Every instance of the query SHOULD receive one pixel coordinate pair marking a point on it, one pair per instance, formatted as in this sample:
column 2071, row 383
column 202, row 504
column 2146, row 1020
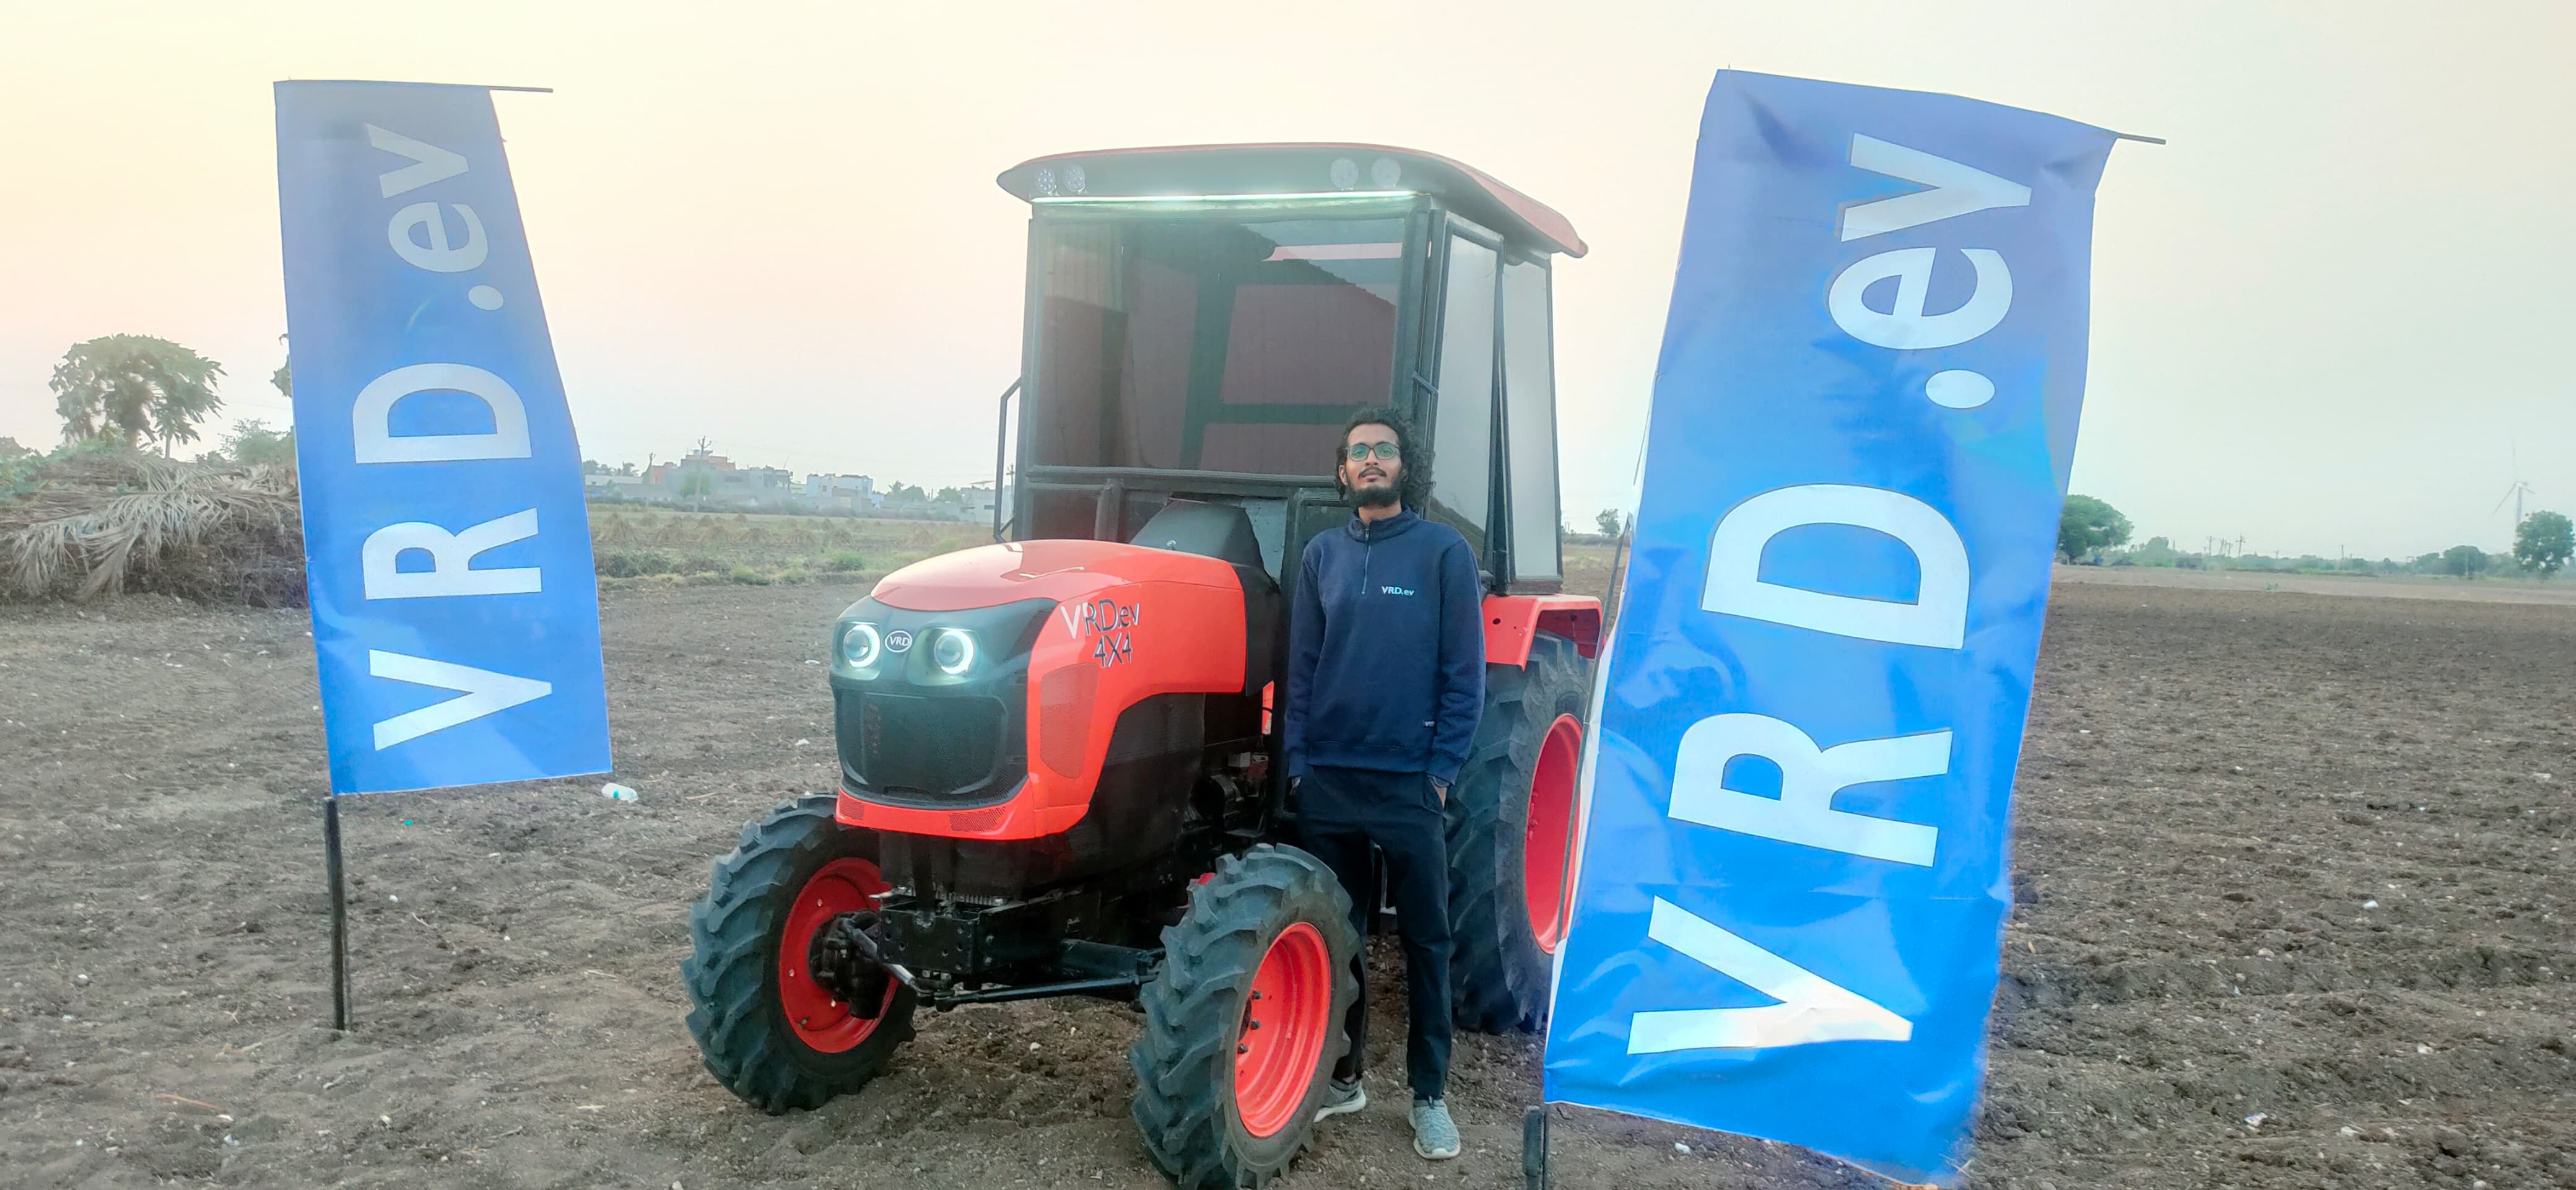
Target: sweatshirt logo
column 1395, row 591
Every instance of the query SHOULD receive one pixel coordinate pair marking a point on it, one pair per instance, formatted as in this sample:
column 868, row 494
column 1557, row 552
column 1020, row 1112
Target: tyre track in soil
column 2214, row 785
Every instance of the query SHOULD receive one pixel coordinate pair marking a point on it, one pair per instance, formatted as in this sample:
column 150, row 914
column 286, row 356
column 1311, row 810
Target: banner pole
column 339, row 914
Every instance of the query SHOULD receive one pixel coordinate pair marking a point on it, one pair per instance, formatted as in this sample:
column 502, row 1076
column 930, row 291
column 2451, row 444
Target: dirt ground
column 2283, row 857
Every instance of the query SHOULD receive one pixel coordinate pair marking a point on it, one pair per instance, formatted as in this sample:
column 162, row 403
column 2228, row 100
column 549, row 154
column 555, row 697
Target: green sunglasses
column 1359, row 452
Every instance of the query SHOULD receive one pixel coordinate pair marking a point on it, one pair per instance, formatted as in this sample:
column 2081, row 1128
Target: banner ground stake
column 1534, row 1148
column 339, row 914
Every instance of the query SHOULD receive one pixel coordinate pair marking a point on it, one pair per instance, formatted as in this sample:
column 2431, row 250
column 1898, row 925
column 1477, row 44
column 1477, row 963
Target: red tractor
column 1059, row 757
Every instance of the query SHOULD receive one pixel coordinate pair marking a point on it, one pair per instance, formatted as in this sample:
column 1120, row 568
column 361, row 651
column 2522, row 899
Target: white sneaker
column 1341, row 1098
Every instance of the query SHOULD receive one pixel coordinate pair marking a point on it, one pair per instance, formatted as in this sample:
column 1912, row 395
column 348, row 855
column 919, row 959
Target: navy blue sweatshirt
column 1386, row 650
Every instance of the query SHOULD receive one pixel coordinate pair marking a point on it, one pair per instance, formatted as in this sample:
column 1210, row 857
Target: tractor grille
column 907, row 748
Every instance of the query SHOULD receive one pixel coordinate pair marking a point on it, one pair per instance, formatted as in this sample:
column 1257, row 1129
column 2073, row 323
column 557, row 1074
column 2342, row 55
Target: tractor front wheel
column 770, row 1032
column 1244, row 1023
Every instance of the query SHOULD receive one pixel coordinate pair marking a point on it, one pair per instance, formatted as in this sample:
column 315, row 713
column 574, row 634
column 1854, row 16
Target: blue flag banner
column 447, row 550
column 1793, row 875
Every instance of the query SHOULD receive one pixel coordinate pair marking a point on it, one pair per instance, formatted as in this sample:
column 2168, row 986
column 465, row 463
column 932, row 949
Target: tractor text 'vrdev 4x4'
column 1060, row 768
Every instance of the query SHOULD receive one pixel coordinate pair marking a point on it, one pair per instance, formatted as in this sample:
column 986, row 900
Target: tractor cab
column 1201, row 320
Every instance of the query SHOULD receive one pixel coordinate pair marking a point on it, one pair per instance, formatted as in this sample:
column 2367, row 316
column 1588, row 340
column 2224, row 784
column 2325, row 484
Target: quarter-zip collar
column 1372, row 532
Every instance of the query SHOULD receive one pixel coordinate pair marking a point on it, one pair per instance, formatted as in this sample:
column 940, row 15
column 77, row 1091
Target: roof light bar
column 1105, row 199
column 1335, row 252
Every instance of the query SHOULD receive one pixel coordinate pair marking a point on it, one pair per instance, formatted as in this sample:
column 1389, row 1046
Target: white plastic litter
column 618, row 793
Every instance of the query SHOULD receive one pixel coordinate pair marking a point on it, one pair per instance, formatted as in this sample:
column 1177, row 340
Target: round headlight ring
column 861, row 646
column 953, row 652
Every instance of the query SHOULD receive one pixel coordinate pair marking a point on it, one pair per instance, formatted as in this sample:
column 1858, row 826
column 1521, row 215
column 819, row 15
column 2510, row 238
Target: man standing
column 1386, row 678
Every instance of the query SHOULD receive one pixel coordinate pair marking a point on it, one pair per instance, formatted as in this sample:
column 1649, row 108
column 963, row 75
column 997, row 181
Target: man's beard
column 1377, row 497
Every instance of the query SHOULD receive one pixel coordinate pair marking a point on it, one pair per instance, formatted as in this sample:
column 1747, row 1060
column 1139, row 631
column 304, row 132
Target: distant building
column 842, row 493
column 665, row 481
column 758, row 487
column 703, row 478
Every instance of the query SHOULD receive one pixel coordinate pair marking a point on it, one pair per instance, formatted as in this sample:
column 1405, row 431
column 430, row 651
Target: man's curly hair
column 1413, row 482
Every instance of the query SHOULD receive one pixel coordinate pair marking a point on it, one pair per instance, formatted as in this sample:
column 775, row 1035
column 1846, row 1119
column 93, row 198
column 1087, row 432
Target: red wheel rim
column 1545, row 854
column 821, row 1022
column 1285, row 1021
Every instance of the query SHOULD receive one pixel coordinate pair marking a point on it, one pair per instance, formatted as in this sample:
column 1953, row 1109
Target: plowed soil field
column 2294, row 911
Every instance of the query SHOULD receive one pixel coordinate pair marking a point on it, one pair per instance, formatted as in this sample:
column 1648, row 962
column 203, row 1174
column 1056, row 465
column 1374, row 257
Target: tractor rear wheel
column 1511, row 835
column 1244, row 1023
column 768, row 1030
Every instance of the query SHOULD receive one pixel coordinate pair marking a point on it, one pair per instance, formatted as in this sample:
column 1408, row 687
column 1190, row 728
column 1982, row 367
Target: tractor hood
column 1067, row 572
column 977, row 692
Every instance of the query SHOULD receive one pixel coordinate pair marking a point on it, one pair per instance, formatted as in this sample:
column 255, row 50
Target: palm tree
column 134, row 389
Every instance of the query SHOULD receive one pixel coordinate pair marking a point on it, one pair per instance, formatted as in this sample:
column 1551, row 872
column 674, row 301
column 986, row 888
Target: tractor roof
column 1314, row 168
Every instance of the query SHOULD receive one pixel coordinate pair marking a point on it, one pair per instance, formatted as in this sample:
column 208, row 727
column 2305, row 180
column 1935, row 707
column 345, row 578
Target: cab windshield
column 1211, row 344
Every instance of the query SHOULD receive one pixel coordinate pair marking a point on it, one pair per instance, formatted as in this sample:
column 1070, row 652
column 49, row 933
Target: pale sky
column 2327, row 316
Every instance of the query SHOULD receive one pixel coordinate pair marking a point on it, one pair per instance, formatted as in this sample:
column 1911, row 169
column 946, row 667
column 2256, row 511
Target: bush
column 633, row 562
column 844, row 561
column 99, row 518
column 749, row 576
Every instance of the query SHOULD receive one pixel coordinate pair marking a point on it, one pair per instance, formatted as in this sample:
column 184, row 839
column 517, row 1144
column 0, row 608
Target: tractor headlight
column 953, row 651
column 861, row 646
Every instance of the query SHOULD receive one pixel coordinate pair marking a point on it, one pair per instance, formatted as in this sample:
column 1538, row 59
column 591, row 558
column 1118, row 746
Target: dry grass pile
column 93, row 522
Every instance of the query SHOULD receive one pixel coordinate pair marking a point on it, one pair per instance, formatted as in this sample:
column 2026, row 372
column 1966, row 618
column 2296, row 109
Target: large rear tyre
column 1511, row 829
column 767, row 1030
column 1244, row 1023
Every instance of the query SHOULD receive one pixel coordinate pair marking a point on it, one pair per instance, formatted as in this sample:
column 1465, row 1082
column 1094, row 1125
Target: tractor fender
column 1513, row 621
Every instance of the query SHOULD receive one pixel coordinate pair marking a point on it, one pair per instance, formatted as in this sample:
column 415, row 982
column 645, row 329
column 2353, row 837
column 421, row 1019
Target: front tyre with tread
column 1261, row 958
column 739, row 988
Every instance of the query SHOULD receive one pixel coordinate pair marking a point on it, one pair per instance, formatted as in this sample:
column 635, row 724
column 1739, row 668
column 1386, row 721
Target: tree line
column 2090, row 531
